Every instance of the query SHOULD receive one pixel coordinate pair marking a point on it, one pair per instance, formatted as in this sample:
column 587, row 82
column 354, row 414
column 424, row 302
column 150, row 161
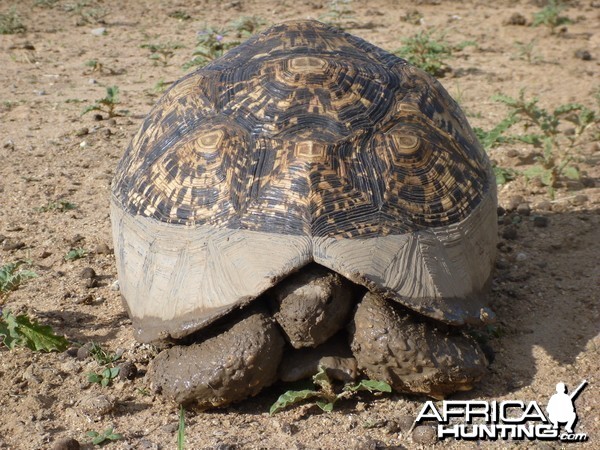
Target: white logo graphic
column 509, row 419
column 561, row 408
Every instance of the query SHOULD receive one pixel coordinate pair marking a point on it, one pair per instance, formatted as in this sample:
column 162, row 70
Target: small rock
column 96, row 405
column 14, row 227
column 288, row 428
column 44, row 254
column 502, row 264
column 92, row 81
column 72, row 352
column 66, row 444
column 12, row 245
column 103, row 249
column 9, row 145
column 424, row 435
column 99, row 31
column 84, row 351
column 583, row 55
column 512, row 153
column 88, row 273
column 82, row 132
column 500, row 211
column 540, row 221
column 521, row 257
column 170, row 428
column 514, row 202
column 544, row 205
column 405, row 422
column 77, row 239
column 516, row 19
column 523, row 209
column 115, row 286
column 579, row 199
column 98, row 117
column 510, row 233
column 2, row 238
column 127, row 371
column 91, row 283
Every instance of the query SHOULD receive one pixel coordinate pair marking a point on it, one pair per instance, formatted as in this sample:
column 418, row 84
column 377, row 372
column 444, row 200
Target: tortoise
column 306, row 188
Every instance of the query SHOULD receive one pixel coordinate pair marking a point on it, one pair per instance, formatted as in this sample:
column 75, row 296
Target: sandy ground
column 545, row 291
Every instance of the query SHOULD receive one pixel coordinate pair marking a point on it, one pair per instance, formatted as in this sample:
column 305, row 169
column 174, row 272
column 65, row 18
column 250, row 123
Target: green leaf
column 92, row 434
column 181, row 430
column 32, row 335
column 94, row 377
column 292, row 397
column 114, row 372
column 571, row 173
column 369, row 385
column 325, row 406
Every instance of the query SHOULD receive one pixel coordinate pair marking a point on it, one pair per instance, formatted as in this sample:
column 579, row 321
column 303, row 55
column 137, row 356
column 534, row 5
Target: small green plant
column 45, row 3
column 104, row 437
column 105, row 377
column 102, row 356
column 495, row 136
column 12, row 276
column 543, row 129
column 107, row 360
column 107, row 104
column 429, row 51
column 20, row 331
column 339, row 14
column 179, row 15
column 162, row 52
column 246, row 26
column 76, row 253
column 412, row 16
column 550, row 16
column 323, row 390
column 181, row 430
column 526, row 51
column 211, row 44
column 10, row 22
column 59, row 205
column 94, row 64
column 160, row 86
column 87, row 12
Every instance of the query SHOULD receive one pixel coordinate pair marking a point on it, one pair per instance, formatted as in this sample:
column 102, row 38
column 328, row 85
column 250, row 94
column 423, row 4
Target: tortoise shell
column 302, row 144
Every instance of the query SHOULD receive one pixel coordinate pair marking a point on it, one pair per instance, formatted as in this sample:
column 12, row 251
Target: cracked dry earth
column 546, row 285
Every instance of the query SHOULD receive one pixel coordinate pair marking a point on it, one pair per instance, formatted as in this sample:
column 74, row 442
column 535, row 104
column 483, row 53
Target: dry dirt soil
column 546, row 287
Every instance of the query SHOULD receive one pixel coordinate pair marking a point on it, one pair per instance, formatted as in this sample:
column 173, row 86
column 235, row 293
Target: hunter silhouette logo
column 508, row 419
column 561, row 407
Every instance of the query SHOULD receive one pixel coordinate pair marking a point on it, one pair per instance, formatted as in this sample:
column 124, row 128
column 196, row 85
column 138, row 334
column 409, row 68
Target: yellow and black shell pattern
column 305, row 130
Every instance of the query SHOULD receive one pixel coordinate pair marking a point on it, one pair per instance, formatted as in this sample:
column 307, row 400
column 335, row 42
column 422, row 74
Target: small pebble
column 88, row 273
column 66, row 444
column 127, row 371
column 84, row 351
column 510, row 233
column 91, row 283
column 82, row 131
column 540, row 221
column 516, row 19
column 523, row 209
column 514, row 202
column 72, row 352
column 96, row 405
column 12, row 245
column 424, row 435
column 579, row 199
column 44, row 254
column 103, row 249
column 405, row 422
column 99, row 31
column 521, row 257
column 583, row 55
column 115, row 286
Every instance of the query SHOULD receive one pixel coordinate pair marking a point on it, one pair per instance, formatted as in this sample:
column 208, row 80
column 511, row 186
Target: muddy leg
column 411, row 354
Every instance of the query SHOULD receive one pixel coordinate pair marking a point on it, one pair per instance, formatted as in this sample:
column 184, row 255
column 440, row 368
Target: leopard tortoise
column 303, row 189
